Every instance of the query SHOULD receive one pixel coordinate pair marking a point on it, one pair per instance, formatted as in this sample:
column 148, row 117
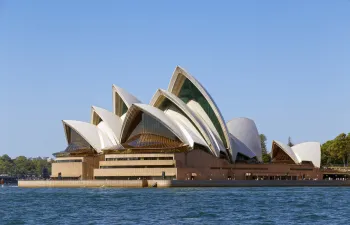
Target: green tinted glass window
column 167, row 104
column 189, row 92
column 124, row 107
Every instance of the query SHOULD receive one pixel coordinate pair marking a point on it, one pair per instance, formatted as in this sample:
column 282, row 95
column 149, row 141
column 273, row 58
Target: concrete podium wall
column 247, row 183
column 181, row 183
column 82, row 183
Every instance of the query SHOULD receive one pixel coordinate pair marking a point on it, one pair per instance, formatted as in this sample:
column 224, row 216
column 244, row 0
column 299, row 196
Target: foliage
column 336, row 151
column 265, row 156
column 263, row 143
column 6, row 164
column 326, row 157
column 23, row 167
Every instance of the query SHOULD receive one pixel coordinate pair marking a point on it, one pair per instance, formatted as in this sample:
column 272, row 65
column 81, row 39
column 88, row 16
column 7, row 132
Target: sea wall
column 181, row 183
column 253, row 183
column 82, row 183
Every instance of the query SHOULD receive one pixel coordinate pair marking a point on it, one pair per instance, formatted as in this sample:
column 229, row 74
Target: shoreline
column 180, row 183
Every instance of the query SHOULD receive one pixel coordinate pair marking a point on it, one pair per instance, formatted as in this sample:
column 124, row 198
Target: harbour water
column 293, row 205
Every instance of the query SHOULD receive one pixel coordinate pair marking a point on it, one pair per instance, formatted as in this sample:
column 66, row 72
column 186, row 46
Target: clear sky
column 284, row 64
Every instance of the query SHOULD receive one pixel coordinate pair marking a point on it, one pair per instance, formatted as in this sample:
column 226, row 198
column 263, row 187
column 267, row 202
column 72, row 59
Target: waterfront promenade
column 179, row 183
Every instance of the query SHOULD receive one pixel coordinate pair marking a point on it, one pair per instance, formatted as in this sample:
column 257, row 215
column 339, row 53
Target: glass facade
column 68, row 161
column 279, row 155
column 77, row 139
column 189, row 92
column 124, row 108
column 96, row 119
column 147, row 132
column 76, row 143
column 139, row 158
column 167, row 104
column 99, row 120
column 241, row 157
column 120, row 106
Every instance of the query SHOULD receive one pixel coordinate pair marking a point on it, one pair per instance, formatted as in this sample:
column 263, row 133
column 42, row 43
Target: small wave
column 8, row 186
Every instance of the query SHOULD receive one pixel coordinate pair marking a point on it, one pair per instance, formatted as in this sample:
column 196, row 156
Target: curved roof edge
column 156, row 114
column 202, row 128
column 91, row 133
column 240, row 118
column 187, row 128
column 124, row 95
column 309, row 151
column 177, row 72
column 306, row 151
column 128, row 98
column 288, row 150
column 113, row 121
column 117, row 146
column 245, row 130
column 212, row 132
column 240, row 147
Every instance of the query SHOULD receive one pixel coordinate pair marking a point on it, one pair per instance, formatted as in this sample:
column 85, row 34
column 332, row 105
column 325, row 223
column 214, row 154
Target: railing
column 344, row 169
column 336, row 165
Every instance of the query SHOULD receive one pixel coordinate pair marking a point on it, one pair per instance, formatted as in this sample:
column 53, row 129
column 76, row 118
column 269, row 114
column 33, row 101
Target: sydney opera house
column 181, row 135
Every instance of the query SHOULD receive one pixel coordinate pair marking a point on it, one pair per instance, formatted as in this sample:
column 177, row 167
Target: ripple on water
column 294, row 205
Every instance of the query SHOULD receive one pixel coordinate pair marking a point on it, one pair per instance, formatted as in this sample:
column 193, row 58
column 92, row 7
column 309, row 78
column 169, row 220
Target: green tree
column 340, row 148
column 22, row 166
column 326, row 158
column 265, row 156
column 6, row 158
column 39, row 165
column 263, row 143
column 6, row 165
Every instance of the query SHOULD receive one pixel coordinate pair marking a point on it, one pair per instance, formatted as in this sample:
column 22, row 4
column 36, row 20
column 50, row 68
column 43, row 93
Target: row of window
column 143, row 166
column 227, row 168
column 136, row 178
column 301, row 168
column 257, row 168
column 67, row 161
column 139, row 158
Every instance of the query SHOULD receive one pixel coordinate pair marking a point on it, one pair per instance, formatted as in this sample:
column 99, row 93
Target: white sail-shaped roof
column 190, row 132
column 122, row 100
column 114, row 147
column 247, row 135
column 109, row 119
column 303, row 152
column 288, row 150
column 184, row 116
column 179, row 78
column 91, row 134
column 107, row 131
column 217, row 142
column 239, row 147
column 199, row 111
column 308, row 151
column 158, row 100
column 157, row 114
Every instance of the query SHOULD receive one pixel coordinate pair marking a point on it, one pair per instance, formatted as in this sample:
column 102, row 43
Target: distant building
column 181, row 134
column 49, row 159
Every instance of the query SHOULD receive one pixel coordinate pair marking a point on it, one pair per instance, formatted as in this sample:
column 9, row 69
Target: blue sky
column 285, row 64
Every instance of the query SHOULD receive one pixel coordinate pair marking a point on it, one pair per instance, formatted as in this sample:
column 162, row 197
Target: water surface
column 294, row 205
